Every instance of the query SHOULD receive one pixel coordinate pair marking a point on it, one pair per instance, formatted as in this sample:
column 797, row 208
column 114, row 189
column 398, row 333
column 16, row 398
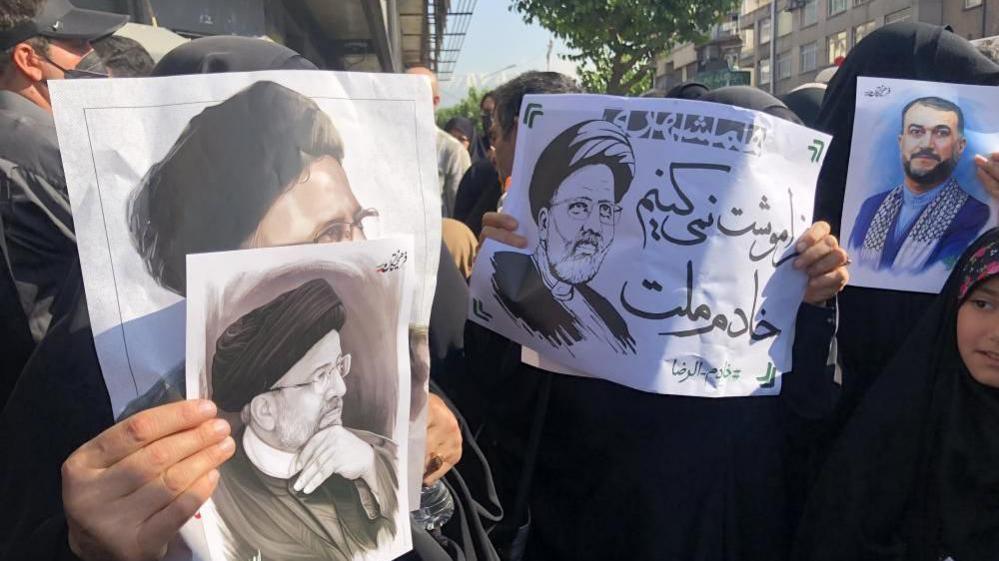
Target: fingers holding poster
column 307, row 357
column 661, row 235
column 914, row 201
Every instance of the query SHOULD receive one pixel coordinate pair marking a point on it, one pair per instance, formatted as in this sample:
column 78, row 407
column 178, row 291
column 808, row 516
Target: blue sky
column 496, row 39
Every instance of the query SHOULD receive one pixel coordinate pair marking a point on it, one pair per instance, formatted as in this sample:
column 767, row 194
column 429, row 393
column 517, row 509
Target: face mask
column 90, row 66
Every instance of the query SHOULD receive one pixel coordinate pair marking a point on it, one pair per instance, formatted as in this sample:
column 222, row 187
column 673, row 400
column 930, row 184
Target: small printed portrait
column 930, row 217
column 575, row 193
column 304, row 483
column 263, row 168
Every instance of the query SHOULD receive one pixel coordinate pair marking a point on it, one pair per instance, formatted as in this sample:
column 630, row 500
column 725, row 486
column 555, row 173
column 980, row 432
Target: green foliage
column 468, row 107
column 616, row 41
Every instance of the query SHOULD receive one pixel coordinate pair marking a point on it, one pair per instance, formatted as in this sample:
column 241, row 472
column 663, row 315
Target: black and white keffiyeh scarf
column 924, row 235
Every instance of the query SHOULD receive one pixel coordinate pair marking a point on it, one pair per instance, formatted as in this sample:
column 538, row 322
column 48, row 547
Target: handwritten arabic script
column 691, row 128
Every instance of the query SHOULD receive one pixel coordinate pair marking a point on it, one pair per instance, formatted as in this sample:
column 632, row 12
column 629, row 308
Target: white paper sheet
column 895, row 241
column 113, row 131
column 662, row 261
column 351, row 382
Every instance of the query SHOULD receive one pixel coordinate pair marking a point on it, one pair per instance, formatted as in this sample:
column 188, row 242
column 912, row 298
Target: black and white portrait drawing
column 161, row 169
column 307, row 358
column 575, row 191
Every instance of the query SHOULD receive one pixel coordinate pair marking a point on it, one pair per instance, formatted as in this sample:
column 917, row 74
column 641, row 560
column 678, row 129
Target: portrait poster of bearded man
column 913, row 203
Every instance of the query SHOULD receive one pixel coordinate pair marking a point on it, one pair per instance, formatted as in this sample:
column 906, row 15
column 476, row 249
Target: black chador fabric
column 873, row 323
column 478, row 193
column 805, row 102
column 591, row 470
column 914, row 476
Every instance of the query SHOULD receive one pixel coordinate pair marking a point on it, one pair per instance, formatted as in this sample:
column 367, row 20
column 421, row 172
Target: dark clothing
column 522, row 293
column 337, row 521
column 37, row 225
column 478, row 193
column 913, row 477
column 211, row 55
column 805, row 103
column 623, row 474
column 958, row 235
column 873, row 322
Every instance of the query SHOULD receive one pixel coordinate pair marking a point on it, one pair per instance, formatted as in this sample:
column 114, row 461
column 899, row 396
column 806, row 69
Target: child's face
column 978, row 333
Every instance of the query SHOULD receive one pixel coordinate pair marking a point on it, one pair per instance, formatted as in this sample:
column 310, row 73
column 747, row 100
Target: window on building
column 765, row 71
column 837, row 6
column 896, row 17
column 809, row 56
column 972, row 3
column 748, row 41
column 764, row 31
column 861, row 31
column 810, row 13
column 836, row 46
column 784, row 66
column 785, row 23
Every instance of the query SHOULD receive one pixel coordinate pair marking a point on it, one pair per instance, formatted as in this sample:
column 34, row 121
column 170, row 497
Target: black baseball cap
column 59, row 19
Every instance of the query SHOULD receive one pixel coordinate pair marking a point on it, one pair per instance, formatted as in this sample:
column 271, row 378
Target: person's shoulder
column 877, row 198
column 30, row 144
column 445, row 139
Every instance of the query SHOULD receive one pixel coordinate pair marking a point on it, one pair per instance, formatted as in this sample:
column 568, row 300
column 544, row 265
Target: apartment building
column 807, row 36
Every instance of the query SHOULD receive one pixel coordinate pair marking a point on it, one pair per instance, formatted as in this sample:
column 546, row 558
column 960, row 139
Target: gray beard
column 573, row 269
column 292, row 433
column 937, row 175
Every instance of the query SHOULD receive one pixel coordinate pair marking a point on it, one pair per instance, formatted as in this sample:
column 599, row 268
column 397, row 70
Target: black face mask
column 90, row 66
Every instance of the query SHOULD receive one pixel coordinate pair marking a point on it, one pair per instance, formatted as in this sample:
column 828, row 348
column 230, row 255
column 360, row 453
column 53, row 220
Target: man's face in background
column 577, row 227
column 930, row 144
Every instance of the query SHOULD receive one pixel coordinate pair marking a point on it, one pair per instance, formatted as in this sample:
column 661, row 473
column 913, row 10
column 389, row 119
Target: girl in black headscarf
column 915, row 476
column 594, row 470
column 873, row 322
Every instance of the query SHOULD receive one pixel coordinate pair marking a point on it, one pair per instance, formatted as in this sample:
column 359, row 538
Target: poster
column 305, row 350
column 161, row 167
column 660, row 239
column 913, row 202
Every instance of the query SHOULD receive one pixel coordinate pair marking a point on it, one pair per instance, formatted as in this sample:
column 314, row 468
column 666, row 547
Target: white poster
column 158, row 168
column 660, row 239
column 305, row 350
column 913, row 203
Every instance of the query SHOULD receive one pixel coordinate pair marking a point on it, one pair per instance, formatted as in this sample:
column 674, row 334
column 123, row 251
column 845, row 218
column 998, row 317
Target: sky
column 496, row 39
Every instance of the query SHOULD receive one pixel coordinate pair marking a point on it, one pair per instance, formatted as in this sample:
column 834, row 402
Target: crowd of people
column 883, row 443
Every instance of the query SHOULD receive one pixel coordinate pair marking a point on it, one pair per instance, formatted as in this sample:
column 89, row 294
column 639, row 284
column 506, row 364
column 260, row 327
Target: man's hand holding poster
column 661, row 240
column 914, row 200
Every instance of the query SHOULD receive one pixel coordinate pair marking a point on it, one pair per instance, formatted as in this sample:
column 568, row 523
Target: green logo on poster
column 816, row 149
column 770, row 378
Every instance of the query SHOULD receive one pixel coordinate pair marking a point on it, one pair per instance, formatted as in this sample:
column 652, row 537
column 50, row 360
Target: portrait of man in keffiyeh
column 929, row 218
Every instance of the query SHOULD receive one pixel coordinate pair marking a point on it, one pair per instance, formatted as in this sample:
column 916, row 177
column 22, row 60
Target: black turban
column 256, row 350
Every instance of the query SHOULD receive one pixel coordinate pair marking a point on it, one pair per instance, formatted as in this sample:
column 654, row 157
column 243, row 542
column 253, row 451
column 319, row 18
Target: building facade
column 363, row 35
column 810, row 35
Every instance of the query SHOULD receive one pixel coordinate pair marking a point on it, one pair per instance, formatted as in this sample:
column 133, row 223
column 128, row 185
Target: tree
column 617, row 40
column 468, row 107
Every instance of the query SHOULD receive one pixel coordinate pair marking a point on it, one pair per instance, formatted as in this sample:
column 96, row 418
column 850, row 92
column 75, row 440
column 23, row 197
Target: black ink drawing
column 302, row 484
column 578, row 181
column 930, row 218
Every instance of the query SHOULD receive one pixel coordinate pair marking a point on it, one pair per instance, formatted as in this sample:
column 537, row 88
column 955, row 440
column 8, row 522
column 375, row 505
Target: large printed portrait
column 304, row 350
column 913, row 202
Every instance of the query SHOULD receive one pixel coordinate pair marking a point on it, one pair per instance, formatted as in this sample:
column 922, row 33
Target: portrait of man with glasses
column 574, row 192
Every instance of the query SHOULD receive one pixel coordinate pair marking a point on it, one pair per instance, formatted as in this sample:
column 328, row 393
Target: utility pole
column 773, row 47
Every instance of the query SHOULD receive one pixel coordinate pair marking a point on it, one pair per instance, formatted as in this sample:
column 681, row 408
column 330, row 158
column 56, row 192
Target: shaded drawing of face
column 577, row 227
column 320, row 208
column 289, row 414
column 931, row 144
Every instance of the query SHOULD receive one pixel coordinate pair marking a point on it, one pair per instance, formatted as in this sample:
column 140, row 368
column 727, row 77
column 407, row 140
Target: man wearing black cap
column 40, row 40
